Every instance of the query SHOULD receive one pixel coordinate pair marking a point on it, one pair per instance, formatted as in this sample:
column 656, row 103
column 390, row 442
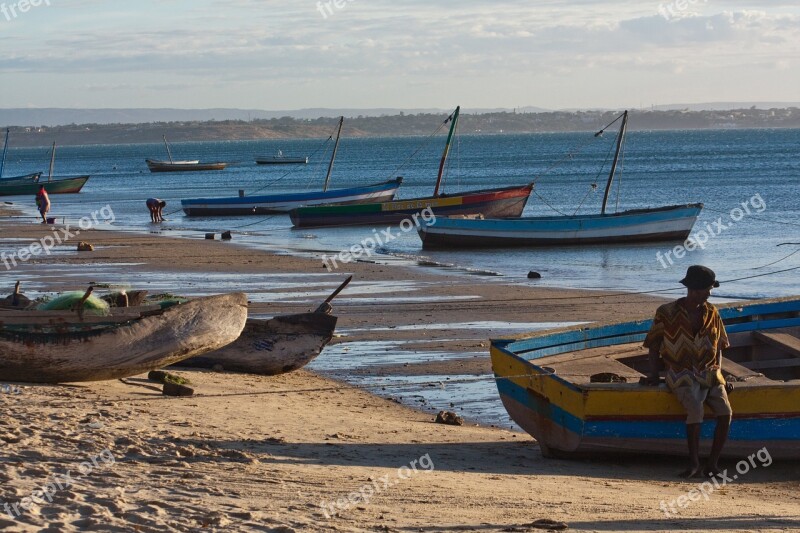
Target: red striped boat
column 507, row 202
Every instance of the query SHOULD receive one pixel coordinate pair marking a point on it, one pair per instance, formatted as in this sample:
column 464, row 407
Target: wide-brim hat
column 700, row 277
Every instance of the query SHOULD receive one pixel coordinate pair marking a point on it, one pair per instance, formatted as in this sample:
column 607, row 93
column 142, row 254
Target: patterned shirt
column 688, row 356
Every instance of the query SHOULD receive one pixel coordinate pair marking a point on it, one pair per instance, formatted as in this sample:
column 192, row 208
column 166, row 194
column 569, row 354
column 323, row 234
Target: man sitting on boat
column 689, row 336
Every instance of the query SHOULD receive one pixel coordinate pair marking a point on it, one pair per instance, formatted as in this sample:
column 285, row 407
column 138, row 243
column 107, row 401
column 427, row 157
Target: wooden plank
column 741, row 372
column 784, row 341
column 773, row 363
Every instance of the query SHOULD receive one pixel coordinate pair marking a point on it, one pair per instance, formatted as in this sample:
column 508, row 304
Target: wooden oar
column 325, row 306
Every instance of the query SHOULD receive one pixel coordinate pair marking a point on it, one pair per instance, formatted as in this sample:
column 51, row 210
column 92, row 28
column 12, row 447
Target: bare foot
column 711, row 471
column 692, row 471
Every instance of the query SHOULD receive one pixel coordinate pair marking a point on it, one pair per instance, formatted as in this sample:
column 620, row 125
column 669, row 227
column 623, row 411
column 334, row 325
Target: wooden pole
column 333, row 156
column 620, row 138
column 454, row 118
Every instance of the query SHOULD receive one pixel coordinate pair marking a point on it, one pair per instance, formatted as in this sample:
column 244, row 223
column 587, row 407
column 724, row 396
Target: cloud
column 375, row 45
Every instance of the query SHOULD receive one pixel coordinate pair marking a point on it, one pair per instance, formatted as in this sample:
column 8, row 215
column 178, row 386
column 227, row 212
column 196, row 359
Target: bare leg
column 720, row 437
column 693, row 440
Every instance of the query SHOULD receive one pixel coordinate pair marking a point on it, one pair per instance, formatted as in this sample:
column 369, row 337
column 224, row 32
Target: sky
column 275, row 55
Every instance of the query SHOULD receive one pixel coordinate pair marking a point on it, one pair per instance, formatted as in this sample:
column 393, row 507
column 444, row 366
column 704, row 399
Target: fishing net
column 67, row 301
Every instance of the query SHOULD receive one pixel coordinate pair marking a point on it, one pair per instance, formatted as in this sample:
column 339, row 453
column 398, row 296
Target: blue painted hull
column 282, row 203
column 645, row 225
column 543, row 381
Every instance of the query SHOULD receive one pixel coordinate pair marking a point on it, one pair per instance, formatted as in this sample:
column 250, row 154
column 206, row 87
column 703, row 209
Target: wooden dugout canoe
column 545, row 382
column 58, row 347
column 270, row 347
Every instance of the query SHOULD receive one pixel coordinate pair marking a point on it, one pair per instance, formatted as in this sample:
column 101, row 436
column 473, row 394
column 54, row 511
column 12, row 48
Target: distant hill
column 402, row 124
column 61, row 116
column 722, row 106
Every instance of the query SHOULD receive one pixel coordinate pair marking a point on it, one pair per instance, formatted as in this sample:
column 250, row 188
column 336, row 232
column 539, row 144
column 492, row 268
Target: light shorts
column 693, row 396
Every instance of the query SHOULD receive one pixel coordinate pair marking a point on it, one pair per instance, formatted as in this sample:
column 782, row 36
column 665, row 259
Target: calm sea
column 724, row 169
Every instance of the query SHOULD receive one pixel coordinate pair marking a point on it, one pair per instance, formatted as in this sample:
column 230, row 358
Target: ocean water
column 748, row 180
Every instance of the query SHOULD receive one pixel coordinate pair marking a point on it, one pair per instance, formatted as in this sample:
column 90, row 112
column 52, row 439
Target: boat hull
column 276, row 160
column 62, row 353
column 646, row 225
column 182, row 166
column 31, row 187
column 571, row 418
column 282, row 203
column 505, row 202
column 271, row 347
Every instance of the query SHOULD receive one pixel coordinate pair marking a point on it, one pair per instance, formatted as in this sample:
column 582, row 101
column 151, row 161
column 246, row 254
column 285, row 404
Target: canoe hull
column 569, row 417
column 507, row 202
column 277, row 160
column 182, row 166
column 271, row 347
column 56, row 186
column 650, row 225
column 282, row 203
column 57, row 354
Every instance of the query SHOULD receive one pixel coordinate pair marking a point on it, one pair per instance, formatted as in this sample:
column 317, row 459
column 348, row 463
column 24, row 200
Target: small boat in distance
column 504, row 202
column 640, row 225
column 577, row 391
column 284, row 202
column 30, row 183
column 157, row 165
column 281, row 159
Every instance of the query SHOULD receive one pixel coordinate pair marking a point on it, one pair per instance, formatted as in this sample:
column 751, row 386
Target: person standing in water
column 43, row 203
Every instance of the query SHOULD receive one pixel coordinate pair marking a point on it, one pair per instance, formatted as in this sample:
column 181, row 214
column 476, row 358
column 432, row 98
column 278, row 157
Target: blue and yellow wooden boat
column 576, row 390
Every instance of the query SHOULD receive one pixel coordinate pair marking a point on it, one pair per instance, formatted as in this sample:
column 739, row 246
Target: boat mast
column 454, row 118
column 5, row 148
column 620, row 138
column 333, row 155
column 52, row 163
column 169, row 152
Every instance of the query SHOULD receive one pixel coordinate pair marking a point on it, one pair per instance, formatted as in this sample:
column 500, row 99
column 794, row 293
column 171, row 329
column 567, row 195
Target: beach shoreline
column 287, row 453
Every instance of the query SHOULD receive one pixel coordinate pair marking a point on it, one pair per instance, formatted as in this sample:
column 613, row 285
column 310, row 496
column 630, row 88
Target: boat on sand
column 577, row 391
column 64, row 346
column 275, row 346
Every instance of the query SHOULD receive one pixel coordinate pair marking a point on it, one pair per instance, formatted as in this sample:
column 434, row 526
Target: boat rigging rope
column 427, row 141
column 293, row 169
column 276, row 180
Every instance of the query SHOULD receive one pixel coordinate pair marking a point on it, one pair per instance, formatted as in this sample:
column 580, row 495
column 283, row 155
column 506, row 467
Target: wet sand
column 252, row 453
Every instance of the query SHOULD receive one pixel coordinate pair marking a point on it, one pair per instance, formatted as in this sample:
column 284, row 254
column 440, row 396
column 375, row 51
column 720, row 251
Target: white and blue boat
column 640, row 225
column 285, row 202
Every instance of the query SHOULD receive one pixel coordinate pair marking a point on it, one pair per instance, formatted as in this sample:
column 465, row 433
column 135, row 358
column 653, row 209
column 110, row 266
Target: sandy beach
column 301, row 452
